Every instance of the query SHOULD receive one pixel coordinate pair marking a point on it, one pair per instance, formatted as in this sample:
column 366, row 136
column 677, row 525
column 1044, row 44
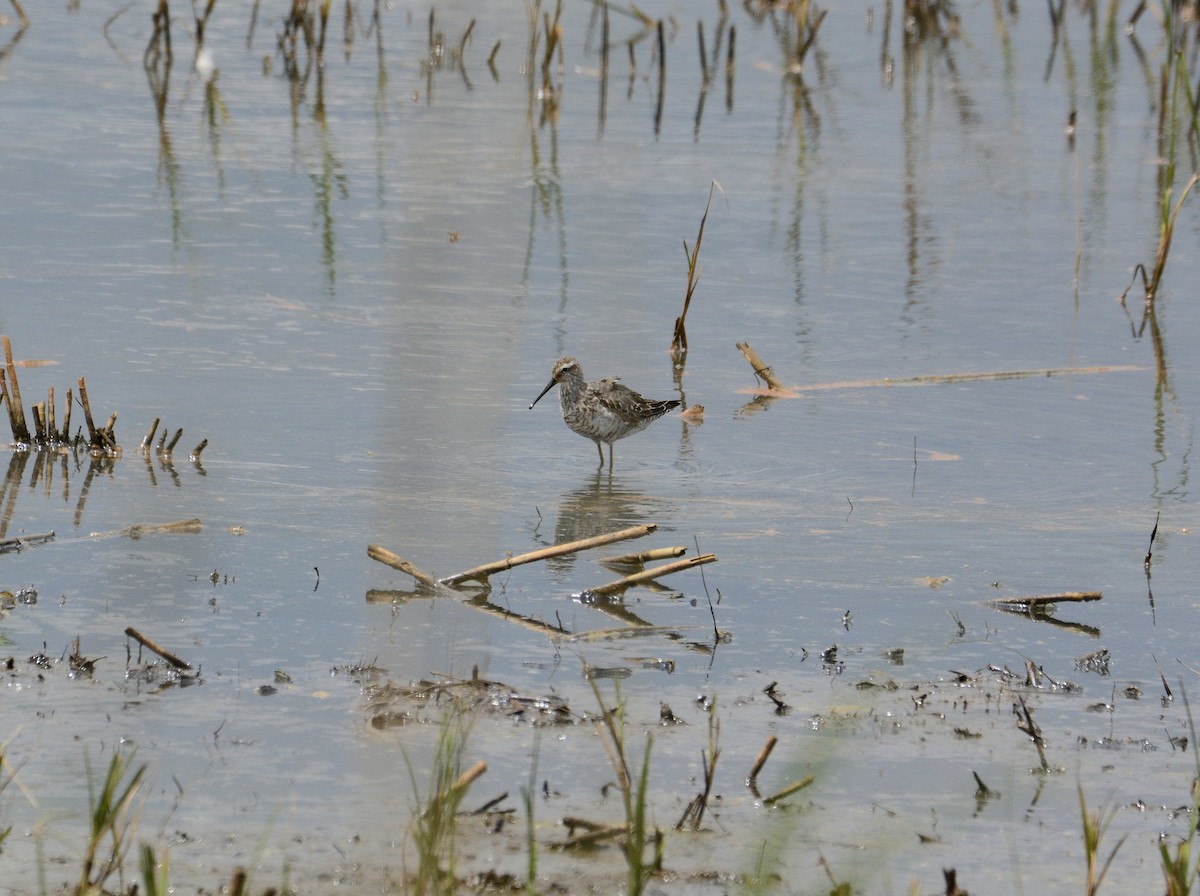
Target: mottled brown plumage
column 603, row 411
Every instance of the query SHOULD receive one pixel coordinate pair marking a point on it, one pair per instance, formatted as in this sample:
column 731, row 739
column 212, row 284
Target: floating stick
column 137, row 530
column 1038, row 601
column 395, row 561
column 165, row 654
column 480, row 573
column 789, row 790
column 763, row 755
column 16, row 544
column 655, row 572
column 761, row 369
column 644, row 556
column 971, row 377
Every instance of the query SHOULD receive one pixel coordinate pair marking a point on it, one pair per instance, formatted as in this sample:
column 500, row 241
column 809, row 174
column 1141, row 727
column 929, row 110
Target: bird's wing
column 621, row 401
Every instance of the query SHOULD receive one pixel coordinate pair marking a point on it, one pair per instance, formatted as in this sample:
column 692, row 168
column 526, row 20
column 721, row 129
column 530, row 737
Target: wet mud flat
column 846, row 769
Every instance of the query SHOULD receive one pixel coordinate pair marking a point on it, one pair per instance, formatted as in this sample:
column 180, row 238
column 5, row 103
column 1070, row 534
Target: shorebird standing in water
column 603, row 411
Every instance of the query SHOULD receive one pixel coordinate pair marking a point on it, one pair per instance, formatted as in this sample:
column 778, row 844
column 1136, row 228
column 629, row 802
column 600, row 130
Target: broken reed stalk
column 174, row 440
column 761, row 760
column 66, row 427
column 1026, row 724
column 137, row 530
column 87, row 413
column 644, row 556
column 164, row 653
column 703, row 52
column 794, row 787
column 648, row 575
column 1032, row 601
column 150, row 435
column 480, row 573
column 22, row 541
column 761, row 369
column 195, row 455
column 395, row 561
column 16, row 410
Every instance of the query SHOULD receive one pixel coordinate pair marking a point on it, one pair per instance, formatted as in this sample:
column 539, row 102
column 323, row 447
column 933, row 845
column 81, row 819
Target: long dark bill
column 550, row 385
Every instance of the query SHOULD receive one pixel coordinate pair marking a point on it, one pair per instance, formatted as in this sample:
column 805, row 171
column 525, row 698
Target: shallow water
column 353, row 286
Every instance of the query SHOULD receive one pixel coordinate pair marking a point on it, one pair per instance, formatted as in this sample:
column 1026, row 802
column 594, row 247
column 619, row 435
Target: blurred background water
column 352, row 278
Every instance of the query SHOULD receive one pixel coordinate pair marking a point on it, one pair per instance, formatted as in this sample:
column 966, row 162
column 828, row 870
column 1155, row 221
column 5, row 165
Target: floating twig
column 644, row 556
column 8, row 545
column 137, row 530
column 395, row 561
column 1035, row 601
column 480, row 573
column 794, row 787
column 165, row 654
column 760, row 367
column 972, row 377
column 648, row 575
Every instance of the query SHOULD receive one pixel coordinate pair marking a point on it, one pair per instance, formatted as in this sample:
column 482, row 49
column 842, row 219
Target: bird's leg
column 610, row 456
column 600, row 451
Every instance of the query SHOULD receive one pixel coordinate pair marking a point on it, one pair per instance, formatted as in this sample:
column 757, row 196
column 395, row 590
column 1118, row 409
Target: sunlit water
column 354, row 285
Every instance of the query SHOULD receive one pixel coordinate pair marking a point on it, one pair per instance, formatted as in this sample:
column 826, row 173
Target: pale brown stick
column 66, row 430
column 150, row 435
column 970, row 377
column 87, row 414
column 16, row 410
column 466, row 778
column 16, row 544
column 165, row 654
column 655, row 572
column 644, row 556
column 789, row 790
column 137, row 530
column 395, row 561
column 760, row 367
column 480, row 573
column 1043, row 600
column 175, row 440
column 763, row 755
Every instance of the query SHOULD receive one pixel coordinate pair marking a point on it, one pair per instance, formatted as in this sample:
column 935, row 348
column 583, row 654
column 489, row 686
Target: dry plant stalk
column 761, row 369
column 171, row 658
column 648, row 575
column 1043, row 600
column 395, row 561
column 679, row 340
column 480, row 573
